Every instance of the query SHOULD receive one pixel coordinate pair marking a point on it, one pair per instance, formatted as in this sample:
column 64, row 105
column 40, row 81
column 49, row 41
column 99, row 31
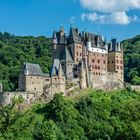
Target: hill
column 15, row 50
column 132, row 60
column 96, row 115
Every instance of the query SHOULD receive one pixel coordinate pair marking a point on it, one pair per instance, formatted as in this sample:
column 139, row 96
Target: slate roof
column 33, row 69
column 55, row 68
column 66, row 56
column 114, row 46
column 95, row 39
column 61, row 39
column 74, row 36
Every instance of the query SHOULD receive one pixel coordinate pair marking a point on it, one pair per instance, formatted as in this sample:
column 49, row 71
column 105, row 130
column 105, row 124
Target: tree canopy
column 132, row 60
column 113, row 115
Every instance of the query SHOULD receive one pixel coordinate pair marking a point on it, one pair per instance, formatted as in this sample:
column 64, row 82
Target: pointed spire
column 65, row 55
column 55, row 67
column 61, row 30
column 119, row 46
column 54, row 38
column 54, row 35
column 98, row 41
column 26, row 70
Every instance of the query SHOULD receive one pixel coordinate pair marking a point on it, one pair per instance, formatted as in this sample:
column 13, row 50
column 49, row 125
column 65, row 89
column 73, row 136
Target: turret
column 83, row 80
column 115, row 59
column 26, row 71
column 54, row 43
column 98, row 41
column 54, row 40
column 88, row 43
column 62, row 31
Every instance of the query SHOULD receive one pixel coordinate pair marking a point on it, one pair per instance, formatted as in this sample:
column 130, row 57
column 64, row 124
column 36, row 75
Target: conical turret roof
column 65, row 55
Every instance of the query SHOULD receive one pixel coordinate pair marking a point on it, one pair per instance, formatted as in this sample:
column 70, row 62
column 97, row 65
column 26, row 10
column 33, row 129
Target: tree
column 12, row 121
column 46, row 130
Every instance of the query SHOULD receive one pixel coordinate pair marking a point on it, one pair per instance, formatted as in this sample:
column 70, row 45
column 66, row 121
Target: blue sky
column 40, row 17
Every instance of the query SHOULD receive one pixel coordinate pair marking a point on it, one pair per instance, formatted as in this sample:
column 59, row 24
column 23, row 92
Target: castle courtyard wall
column 108, row 81
column 6, row 97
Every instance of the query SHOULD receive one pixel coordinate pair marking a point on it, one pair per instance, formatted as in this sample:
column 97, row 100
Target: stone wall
column 135, row 87
column 83, row 79
column 34, row 84
column 108, row 81
column 6, row 97
column 98, row 62
column 58, row 84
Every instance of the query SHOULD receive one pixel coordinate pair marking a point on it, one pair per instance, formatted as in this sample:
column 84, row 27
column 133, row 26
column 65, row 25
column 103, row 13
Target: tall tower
column 75, row 45
column 54, row 43
column 82, row 76
column 115, row 58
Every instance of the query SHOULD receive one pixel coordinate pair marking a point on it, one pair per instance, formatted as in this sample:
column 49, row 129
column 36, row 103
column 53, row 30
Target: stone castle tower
column 115, row 58
column 87, row 56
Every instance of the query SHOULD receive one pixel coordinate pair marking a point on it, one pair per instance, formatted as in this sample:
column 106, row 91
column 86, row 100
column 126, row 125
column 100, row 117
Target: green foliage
column 15, row 50
column 136, row 80
column 98, row 115
column 46, row 130
column 63, row 113
column 14, row 123
column 132, row 60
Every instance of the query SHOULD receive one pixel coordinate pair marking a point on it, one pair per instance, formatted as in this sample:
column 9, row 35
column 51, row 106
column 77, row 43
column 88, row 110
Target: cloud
column 110, row 11
column 109, row 6
column 114, row 18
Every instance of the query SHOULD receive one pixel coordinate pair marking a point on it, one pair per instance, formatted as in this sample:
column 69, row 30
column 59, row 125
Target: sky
column 110, row 18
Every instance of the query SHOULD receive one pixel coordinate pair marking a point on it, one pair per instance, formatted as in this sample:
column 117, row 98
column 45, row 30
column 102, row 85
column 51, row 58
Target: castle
column 82, row 60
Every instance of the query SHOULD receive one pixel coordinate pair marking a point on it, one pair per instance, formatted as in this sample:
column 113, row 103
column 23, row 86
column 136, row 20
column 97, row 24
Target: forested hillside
column 132, row 60
column 15, row 50
column 97, row 115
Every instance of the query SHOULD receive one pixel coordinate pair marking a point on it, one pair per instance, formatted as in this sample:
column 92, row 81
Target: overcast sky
column 110, row 18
